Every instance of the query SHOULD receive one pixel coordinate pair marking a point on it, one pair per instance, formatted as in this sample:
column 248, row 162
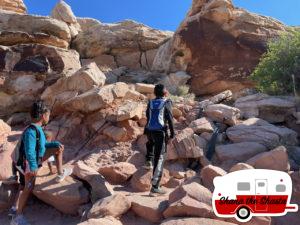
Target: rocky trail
column 97, row 79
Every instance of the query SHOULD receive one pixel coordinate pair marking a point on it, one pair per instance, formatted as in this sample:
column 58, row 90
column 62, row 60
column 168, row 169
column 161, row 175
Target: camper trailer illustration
column 254, row 192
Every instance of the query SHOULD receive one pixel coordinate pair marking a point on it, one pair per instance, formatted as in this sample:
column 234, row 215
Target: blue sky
column 162, row 14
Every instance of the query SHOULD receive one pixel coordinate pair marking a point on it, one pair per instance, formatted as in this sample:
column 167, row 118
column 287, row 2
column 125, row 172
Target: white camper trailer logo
column 246, row 193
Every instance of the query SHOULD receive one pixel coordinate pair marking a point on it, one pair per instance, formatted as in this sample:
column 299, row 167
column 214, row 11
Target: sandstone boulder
column 202, row 125
column 6, row 151
column 86, row 78
column 184, row 146
column 149, row 208
column 25, row 29
column 62, row 11
column 271, row 109
column 125, row 40
column 260, row 131
column 188, row 207
column 115, row 133
column 128, row 110
column 192, row 190
column 208, row 174
column 99, row 187
column 239, row 151
column 195, row 221
column 118, row 173
column 4, row 128
column 115, row 205
column 66, row 196
column 232, row 40
column 17, row 6
column 222, row 113
column 97, row 98
column 141, row 179
column 276, row 159
column 109, row 220
column 145, row 88
column 240, row 166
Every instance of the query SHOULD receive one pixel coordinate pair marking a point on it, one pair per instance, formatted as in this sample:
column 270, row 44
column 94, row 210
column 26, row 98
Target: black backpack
column 19, row 156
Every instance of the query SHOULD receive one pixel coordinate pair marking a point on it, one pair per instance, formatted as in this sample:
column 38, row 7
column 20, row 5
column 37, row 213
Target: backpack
column 19, row 156
column 156, row 115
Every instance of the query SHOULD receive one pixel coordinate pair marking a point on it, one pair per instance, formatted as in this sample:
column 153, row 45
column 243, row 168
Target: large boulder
column 271, row 109
column 86, row 78
column 240, row 166
column 16, row 6
column 6, row 151
column 184, row 146
column 149, row 208
column 109, row 220
column 24, row 29
column 208, row 174
column 27, row 70
column 222, row 113
column 66, row 196
column 239, row 151
column 118, row 173
column 126, row 41
column 260, row 131
column 62, row 11
column 99, row 187
column 115, row 205
column 231, row 39
column 4, row 128
column 202, row 125
column 141, row 179
column 97, row 98
column 276, row 159
column 194, row 221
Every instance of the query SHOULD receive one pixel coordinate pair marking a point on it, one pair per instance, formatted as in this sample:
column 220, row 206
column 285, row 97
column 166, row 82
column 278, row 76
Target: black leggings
column 156, row 149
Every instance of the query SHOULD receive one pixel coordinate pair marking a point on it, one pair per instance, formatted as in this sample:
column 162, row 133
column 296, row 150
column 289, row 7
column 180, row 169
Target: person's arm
column 169, row 118
column 53, row 144
column 147, row 116
column 29, row 147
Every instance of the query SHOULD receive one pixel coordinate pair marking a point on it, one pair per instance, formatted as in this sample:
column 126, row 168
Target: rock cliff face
column 17, row 6
column 219, row 45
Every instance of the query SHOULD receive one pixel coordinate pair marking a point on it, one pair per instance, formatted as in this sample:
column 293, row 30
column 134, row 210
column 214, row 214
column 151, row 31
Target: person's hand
column 31, row 174
column 61, row 148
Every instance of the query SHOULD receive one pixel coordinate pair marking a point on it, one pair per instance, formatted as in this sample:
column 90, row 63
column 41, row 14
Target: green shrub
column 182, row 92
column 274, row 74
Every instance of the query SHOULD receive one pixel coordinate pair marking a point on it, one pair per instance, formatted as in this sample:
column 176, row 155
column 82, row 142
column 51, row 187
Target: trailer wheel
column 243, row 213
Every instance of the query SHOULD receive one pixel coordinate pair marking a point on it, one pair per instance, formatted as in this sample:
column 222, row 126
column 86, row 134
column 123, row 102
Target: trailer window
column 261, row 184
column 243, row 186
column 280, row 188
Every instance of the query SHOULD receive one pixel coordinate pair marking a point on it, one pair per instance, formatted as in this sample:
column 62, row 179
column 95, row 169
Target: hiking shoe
column 66, row 172
column 11, row 180
column 157, row 191
column 19, row 220
column 148, row 165
column 12, row 212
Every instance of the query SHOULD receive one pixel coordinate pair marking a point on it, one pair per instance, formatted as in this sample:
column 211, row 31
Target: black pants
column 156, row 149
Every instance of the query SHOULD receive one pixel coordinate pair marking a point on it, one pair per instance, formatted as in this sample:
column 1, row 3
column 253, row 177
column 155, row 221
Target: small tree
column 274, row 74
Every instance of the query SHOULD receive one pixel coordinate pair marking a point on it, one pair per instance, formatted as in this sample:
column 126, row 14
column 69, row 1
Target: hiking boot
column 11, row 180
column 157, row 191
column 148, row 165
column 12, row 212
column 66, row 172
column 19, row 220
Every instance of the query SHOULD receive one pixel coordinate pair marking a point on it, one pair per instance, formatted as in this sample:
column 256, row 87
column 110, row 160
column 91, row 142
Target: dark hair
column 159, row 90
column 38, row 109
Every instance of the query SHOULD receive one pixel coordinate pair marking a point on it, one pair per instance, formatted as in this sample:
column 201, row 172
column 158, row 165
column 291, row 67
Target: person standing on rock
column 32, row 151
column 159, row 120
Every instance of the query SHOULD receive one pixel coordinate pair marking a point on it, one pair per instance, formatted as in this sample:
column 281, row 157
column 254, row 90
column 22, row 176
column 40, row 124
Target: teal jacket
column 29, row 141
